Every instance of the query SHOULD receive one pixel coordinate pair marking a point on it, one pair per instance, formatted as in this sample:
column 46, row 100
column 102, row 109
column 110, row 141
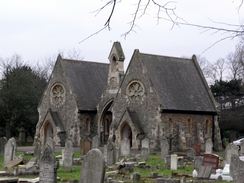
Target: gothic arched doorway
column 126, row 132
column 105, row 122
column 48, row 131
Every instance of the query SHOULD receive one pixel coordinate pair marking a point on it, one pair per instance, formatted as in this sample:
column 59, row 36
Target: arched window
column 188, row 126
column 88, row 124
column 207, row 126
column 170, row 126
column 113, row 66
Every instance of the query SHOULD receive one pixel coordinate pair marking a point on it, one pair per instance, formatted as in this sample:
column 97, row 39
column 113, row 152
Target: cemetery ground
column 154, row 165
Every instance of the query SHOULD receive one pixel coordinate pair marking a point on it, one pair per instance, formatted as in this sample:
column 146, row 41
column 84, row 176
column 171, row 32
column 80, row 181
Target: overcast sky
column 36, row 29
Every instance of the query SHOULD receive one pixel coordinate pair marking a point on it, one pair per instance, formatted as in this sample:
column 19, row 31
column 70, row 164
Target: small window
column 170, row 126
column 188, row 126
column 207, row 126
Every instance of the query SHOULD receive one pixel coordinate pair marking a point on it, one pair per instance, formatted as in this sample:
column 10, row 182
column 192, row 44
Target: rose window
column 58, row 95
column 135, row 92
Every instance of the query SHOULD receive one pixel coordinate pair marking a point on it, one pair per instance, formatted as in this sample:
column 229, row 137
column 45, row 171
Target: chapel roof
column 179, row 83
column 88, row 80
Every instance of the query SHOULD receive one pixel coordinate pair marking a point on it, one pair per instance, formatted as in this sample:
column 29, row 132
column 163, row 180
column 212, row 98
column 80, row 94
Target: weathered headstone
column 191, row 153
column 111, row 150
column 164, row 149
column 125, row 147
column 87, row 145
column 209, row 146
column 95, row 142
column 236, row 169
column 211, row 160
column 3, row 141
column 145, row 143
column 198, row 162
column 50, row 142
column 8, row 152
column 230, row 150
column 47, row 162
column 105, row 152
column 93, row 167
column 204, row 172
column 13, row 141
column 173, row 164
column 37, row 149
column 68, row 155
column 144, row 153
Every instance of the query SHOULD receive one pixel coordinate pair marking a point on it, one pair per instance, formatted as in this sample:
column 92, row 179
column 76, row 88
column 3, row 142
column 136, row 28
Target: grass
column 153, row 161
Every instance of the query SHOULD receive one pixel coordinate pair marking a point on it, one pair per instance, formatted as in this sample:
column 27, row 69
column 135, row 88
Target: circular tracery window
column 58, row 95
column 135, row 91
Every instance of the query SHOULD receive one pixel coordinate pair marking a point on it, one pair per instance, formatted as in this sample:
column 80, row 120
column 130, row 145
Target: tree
column 166, row 10
column 20, row 92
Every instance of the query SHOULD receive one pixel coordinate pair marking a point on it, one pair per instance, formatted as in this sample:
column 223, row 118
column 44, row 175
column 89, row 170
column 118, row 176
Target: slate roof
column 179, row 83
column 88, row 80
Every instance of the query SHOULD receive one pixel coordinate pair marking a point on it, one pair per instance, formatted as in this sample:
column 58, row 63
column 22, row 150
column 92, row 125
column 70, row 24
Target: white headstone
column 173, row 164
column 8, row 152
column 125, row 147
column 209, row 146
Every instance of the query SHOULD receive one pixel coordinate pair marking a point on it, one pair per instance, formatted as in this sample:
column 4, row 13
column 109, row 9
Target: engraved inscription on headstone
column 47, row 163
column 93, row 167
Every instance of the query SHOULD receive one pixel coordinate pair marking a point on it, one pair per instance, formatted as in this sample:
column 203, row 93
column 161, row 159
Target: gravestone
column 242, row 148
column 50, row 142
column 22, row 136
column 173, row 164
column 198, row 162
column 47, row 163
column 164, row 149
column 111, row 150
column 13, row 141
column 211, row 160
column 82, row 144
column 68, row 155
column 144, row 153
column 205, row 172
column 191, row 153
column 209, row 146
column 237, row 169
column 145, row 143
column 125, row 148
column 197, row 149
column 95, row 142
column 37, row 149
column 230, row 150
column 3, row 141
column 87, row 145
column 8, row 152
column 117, row 156
column 105, row 152
column 93, row 167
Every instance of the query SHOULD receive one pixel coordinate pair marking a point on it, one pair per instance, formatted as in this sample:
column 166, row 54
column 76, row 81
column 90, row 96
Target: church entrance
column 48, row 131
column 105, row 123
column 126, row 133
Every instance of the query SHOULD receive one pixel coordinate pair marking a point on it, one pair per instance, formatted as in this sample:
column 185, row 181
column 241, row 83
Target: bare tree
column 166, row 10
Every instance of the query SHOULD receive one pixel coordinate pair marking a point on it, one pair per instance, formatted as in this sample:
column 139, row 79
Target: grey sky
column 35, row 29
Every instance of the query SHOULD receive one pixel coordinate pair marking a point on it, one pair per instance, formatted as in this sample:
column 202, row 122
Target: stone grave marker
column 93, row 167
column 198, row 162
column 197, row 149
column 13, row 141
column 49, row 141
column 211, row 160
column 47, row 172
column 209, row 146
column 105, row 152
column 164, row 149
column 8, row 152
column 230, row 150
column 125, row 147
column 68, row 155
column 37, row 149
column 174, row 161
column 144, row 153
column 111, row 150
column 242, row 148
column 3, row 141
column 191, row 153
column 87, row 145
column 145, row 143
column 95, row 142
column 13, row 163
column 22, row 136
column 204, row 172
column 237, row 169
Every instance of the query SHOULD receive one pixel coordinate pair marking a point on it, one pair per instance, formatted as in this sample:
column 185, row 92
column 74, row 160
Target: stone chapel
column 158, row 97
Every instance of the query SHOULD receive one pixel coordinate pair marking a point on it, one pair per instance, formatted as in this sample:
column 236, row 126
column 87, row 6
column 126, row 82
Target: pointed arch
column 126, row 132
